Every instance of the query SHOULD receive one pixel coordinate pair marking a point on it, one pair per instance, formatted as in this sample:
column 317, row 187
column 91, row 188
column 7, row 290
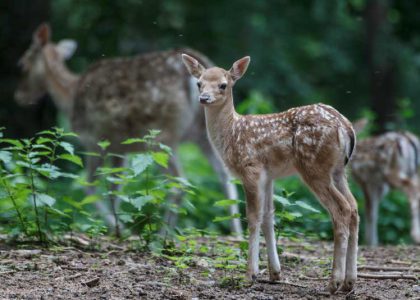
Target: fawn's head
column 215, row 84
column 32, row 85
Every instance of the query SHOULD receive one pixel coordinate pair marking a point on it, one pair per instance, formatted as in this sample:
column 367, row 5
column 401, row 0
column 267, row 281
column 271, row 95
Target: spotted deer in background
column 380, row 162
column 314, row 141
column 116, row 99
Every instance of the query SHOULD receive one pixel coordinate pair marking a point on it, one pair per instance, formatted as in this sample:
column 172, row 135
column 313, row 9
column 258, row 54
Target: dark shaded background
column 356, row 55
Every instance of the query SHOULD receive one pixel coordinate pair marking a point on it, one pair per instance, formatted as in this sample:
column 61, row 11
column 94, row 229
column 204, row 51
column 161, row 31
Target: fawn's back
column 283, row 141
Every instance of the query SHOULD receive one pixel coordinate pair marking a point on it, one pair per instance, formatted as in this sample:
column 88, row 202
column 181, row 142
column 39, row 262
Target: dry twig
column 386, row 276
column 386, row 268
column 281, row 282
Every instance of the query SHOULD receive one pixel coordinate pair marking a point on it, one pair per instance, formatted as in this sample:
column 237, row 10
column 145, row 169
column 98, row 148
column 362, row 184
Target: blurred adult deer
column 314, row 141
column 119, row 98
column 380, row 162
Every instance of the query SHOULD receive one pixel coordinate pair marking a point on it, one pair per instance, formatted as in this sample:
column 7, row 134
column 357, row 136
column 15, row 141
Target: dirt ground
column 116, row 272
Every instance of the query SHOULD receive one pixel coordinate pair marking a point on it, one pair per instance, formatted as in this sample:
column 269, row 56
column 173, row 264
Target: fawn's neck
column 219, row 123
column 61, row 83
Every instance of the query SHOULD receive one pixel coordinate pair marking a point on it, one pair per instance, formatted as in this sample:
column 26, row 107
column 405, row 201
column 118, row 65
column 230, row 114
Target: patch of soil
column 119, row 273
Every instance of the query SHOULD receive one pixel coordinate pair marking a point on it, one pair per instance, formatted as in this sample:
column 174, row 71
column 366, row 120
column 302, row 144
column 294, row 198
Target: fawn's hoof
column 348, row 285
column 274, row 276
column 334, row 285
column 251, row 278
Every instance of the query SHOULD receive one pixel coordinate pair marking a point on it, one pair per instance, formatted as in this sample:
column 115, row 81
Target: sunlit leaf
column 283, row 201
column 5, row 156
column 161, row 158
column 12, row 142
column 140, row 162
column 226, row 202
column 306, row 206
column 133, row 140
column 42, row 199
column 43, row 140
column 220, row 219
column 67, row 147
column 104, row 144
column 73, row 158
column 89, row 199
column 139, row 202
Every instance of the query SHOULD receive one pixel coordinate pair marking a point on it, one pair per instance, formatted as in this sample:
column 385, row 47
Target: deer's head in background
column 41, row 55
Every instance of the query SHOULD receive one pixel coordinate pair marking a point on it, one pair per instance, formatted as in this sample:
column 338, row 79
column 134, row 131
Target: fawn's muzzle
column 204, row 98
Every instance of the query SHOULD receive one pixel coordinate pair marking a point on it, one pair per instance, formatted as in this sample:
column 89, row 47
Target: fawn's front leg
column 268, row 230
column 254, row 208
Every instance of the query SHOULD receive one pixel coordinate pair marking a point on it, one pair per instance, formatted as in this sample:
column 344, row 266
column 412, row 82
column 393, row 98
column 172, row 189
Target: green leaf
column 161, row 158
column 43, row 140
column 49, row 132
column 226, row 202
column 67, row 147
column 13, row 142
column 49, row 171
column 104, row 144
column 57, row 212
column 140, row 162
column 165, row 148
column 41, row 146
column 139, row 202
column 220, row 219
column 73, row 158
column 153, row 133
column 43, row 199
column 125, row 218
column 89, row 199
column 91, row 154
column 283, row 201
column 132, row 141
column 106, row 171
column 70, row 134
column 306, row 206
column 5, row 156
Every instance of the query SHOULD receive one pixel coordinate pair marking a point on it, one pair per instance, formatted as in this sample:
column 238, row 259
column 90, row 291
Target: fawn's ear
column 360, row 125
column 193, row 66
column 66, row 48
column 42, row 34
column 239, row 68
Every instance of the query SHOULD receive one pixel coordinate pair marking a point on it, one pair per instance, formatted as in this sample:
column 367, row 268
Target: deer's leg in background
column 229, row 188
column 341, row 183
column 92, row 164
column 171, row 217
column 268, row 230
column 373, row 194
column 255, row 195
column 411, row 189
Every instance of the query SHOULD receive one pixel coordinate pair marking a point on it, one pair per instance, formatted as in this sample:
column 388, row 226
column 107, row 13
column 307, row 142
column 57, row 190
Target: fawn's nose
column 204, row 98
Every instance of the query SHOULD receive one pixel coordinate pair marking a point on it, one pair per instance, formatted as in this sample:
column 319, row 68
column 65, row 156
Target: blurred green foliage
column 302, row 51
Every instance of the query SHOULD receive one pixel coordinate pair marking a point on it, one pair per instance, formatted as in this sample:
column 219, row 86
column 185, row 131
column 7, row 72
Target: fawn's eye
column 199, row 84
column 222, row 86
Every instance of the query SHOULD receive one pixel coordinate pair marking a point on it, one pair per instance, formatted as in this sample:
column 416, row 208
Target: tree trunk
column 18, row 20
column 382, row 64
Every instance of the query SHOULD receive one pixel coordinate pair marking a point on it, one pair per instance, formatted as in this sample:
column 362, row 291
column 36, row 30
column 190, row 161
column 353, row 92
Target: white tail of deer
column 314, row 141
column 116, row 99
column 388, row 160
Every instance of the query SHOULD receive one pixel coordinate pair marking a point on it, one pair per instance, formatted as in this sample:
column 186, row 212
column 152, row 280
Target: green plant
column 144, row 192
column 27, row 168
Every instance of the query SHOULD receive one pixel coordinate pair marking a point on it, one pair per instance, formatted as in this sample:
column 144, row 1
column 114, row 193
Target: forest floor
column 117, row 271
